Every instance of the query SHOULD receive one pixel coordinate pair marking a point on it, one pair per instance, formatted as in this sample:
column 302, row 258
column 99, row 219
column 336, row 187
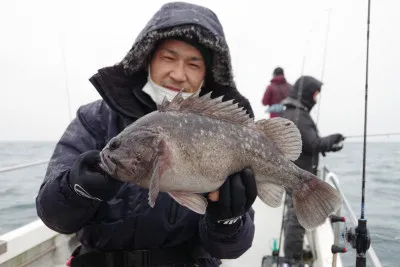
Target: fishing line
column 300, row 92
column 66, row 79
column 66, row 85
column 315, row 155
column 323, row 63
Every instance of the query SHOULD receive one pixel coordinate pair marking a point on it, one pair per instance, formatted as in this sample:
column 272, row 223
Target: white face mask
column 157, row 92
column 317, row 97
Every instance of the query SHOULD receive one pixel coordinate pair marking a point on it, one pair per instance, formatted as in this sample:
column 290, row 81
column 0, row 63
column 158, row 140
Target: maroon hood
column 279, row 79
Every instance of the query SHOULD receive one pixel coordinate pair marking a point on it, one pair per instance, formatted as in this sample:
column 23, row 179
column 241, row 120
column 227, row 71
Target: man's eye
column 194, row 66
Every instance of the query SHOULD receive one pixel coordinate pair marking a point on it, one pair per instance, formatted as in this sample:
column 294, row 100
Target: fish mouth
column 107, row 164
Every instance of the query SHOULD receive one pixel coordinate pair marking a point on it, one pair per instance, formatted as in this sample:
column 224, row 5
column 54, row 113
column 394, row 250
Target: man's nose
column 178, row 73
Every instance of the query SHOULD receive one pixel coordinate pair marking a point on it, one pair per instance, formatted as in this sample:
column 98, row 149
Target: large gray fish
column 190, row 146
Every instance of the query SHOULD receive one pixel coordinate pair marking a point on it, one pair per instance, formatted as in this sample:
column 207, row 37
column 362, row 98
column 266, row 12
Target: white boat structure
column 34, row 244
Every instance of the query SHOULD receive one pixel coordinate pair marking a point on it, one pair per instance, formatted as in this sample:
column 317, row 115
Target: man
column 182, row 47
column 276, row 92
column 298, row 105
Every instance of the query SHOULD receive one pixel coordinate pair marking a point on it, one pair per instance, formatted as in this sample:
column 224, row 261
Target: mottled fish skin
column 191, row 146
column 225, row 148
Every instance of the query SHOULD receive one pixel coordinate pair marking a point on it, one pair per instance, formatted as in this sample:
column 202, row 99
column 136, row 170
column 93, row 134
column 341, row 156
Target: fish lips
column 107, row 164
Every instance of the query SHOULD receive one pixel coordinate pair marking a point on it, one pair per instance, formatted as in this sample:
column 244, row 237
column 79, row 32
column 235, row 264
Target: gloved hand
column 331, row 143
column 236, row 196
column 87, row 179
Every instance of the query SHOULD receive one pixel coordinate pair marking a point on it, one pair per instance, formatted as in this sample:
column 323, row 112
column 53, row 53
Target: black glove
column 236, row 196
column 331, row 143
column 87, row 179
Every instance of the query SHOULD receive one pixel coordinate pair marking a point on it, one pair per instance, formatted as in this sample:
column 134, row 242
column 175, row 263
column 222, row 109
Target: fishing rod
column 359, row 237
column 372, row 135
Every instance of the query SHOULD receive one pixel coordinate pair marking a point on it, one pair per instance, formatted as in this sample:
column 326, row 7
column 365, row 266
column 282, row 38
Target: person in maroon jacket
column 276, row 92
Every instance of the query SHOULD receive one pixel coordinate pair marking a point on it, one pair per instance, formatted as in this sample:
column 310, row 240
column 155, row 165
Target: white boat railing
column 329, row 176
column 34, row 244
column 3, row 243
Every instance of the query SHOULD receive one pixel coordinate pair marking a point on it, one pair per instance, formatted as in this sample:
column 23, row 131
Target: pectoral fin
column 154, row 187
column 192, row 201
column 161, row 163
column 270, row 194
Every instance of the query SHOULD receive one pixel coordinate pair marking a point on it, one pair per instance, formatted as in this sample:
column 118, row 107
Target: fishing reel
column 358, row 237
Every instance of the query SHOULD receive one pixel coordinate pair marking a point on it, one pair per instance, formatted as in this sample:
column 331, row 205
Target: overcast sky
column 261, row 35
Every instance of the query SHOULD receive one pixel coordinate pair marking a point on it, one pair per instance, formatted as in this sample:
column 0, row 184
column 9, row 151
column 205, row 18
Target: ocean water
column 19, row 188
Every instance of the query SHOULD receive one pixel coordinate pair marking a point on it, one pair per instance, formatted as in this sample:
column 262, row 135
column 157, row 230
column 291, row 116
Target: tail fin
column 314, row 201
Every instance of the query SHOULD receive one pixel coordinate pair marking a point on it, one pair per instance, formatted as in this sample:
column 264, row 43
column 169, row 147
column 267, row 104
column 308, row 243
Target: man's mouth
column 173, row 88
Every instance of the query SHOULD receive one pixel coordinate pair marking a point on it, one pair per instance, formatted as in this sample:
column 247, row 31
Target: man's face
column 176, row 65
column 316, row 96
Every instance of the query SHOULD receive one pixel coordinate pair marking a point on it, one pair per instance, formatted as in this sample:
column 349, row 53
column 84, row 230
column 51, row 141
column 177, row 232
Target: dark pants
column 293, row 234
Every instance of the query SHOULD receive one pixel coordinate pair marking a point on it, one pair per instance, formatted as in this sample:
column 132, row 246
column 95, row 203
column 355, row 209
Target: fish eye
column 114, row 144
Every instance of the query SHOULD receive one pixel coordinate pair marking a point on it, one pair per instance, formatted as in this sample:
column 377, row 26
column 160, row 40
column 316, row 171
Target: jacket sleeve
column 312, row 143
column 267, row 96
column 232, row 246
column 58, row 206
column 309, row 135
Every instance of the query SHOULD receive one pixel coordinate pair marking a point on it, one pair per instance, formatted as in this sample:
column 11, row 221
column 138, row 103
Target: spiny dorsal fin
column 284, row 134
column 163, row 104
column 207, row 106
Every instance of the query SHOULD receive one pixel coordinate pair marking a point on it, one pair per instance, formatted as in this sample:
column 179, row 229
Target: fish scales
column 218, row 144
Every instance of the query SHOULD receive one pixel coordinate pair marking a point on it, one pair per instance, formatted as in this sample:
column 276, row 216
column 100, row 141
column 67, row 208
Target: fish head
column 130, row 155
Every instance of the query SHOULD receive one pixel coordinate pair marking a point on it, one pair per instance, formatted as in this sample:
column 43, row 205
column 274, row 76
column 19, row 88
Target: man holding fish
column 163, row 170
column 181, row 48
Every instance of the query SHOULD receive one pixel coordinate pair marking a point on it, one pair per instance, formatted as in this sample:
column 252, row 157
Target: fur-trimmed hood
column 183, row 20
column 119, row 83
